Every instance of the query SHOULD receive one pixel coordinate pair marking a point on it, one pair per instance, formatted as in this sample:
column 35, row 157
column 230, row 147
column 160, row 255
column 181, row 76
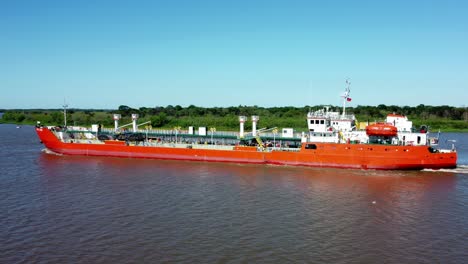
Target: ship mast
column 65, row 105
column 346, row 97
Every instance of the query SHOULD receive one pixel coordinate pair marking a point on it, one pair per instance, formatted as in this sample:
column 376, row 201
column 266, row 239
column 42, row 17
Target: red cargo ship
column 333, row 140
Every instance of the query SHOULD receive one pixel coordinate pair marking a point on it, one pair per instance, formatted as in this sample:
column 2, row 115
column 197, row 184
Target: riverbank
column 445, row 129
column 444, row 118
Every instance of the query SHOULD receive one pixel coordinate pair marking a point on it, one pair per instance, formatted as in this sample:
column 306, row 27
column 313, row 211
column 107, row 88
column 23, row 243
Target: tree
column 159, row 120
column 20, row 118
column 126, row 110
column 56, row 117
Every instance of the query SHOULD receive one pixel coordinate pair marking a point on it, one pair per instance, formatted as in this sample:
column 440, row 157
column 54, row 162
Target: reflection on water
column 87, row 210
column 328, row 180
column 321, row 214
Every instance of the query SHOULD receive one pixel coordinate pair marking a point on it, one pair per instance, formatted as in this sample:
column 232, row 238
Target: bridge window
column 322, row 122
column 311, row 122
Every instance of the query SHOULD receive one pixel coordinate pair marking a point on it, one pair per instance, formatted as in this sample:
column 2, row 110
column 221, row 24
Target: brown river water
column 64, row 209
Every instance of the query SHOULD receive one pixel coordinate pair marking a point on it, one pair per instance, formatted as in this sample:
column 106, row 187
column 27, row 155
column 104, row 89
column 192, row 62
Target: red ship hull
column 357, row 156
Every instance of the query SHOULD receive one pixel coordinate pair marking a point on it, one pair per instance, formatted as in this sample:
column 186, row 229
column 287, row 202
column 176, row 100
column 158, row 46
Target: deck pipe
column 134, row 122
column 254, row 125
column 242, row 120
column 116, row 121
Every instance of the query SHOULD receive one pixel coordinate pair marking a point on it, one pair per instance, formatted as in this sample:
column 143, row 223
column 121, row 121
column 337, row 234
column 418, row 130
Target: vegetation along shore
column 444, row 118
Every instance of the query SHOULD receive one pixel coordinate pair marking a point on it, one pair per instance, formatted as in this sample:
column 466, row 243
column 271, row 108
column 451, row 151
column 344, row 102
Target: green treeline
column 446, row 118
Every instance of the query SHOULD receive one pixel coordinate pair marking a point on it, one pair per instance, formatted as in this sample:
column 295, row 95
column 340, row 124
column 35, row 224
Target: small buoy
column 374, row 202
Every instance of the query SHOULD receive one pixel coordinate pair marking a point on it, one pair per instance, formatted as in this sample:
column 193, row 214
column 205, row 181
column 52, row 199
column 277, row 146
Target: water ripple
column 60, row 209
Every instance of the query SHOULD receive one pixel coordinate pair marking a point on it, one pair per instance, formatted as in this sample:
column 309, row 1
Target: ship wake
column 48, row 151
column 459, row 169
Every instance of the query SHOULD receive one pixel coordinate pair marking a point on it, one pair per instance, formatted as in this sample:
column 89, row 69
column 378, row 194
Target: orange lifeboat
column 381, row 129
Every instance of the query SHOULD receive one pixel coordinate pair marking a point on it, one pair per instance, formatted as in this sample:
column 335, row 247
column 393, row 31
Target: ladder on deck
column 260, row 142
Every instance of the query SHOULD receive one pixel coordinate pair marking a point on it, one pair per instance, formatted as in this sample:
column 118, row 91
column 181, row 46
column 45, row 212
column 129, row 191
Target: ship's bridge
column 323, row 121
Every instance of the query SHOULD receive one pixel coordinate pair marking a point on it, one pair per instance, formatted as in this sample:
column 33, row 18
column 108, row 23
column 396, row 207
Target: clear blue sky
column 102, row 54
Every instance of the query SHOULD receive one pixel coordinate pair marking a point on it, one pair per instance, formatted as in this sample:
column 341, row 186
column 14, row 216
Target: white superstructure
column 329, row 126
column 401, row 122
